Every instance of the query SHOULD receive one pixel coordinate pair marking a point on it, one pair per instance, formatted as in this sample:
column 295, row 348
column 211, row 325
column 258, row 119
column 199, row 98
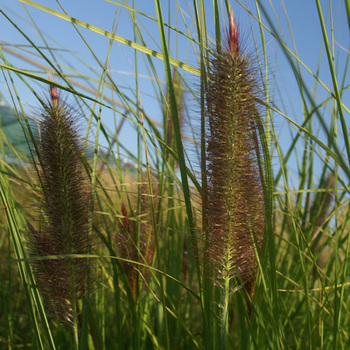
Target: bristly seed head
column 235, row 203
column 65, row 206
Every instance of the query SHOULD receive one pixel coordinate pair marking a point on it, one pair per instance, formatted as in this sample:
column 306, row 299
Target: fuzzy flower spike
column 65, row 205
column 235, row 203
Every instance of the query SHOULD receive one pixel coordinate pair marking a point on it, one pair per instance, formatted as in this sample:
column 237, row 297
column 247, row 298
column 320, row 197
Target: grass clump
column 243, row 257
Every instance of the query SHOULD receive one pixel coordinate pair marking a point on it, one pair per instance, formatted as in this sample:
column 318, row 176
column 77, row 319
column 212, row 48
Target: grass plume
column 65, row 207
column 235, row 208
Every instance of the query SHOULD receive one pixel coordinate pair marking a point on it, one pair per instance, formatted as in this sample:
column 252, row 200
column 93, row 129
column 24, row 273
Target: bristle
column 65, row 209
column 235, row 209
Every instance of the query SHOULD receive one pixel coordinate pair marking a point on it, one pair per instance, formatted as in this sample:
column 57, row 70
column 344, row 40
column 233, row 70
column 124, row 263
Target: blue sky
column 59, row 34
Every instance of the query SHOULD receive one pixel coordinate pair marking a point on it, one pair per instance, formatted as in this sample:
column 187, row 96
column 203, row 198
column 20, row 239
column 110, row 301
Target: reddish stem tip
column 125, row 215
column 233, row 35
column 54, row 96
